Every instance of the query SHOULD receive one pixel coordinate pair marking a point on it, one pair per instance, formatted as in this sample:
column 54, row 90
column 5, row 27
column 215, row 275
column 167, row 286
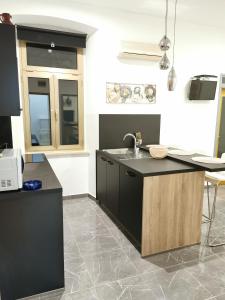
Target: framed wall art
column 126, row 93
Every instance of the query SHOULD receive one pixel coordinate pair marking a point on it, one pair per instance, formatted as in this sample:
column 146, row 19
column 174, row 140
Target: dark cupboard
column 130, row 204
column 9, row 85
column 120, row 193
column 108, row 184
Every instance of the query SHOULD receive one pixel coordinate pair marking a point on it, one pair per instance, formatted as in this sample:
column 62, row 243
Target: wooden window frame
column 53, row 74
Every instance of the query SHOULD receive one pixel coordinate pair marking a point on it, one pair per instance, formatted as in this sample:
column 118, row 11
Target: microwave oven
column 11, row 170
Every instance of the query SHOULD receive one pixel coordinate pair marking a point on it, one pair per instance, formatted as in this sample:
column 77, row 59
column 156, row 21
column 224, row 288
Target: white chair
column 216, row 179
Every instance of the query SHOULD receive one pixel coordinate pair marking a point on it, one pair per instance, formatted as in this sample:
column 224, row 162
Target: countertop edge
column 122, row 162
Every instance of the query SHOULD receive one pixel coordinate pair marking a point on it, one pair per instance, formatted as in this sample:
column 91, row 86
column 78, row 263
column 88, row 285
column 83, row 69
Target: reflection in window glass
column 56, row 57
column 39, row 103
column 68, row 109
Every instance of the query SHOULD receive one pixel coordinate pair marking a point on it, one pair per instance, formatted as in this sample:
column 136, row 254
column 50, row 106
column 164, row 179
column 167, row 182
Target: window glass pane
column 68, row 111
column 52, row 57
column 40, row 120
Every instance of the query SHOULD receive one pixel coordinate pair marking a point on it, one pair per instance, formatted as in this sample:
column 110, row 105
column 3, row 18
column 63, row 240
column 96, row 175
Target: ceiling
column 206, row 12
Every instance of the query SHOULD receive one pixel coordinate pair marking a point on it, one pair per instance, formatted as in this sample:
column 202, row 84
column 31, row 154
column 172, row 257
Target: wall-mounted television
column 203, row 87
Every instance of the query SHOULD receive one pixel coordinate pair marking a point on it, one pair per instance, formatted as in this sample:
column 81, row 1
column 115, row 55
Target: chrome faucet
column 135, row 141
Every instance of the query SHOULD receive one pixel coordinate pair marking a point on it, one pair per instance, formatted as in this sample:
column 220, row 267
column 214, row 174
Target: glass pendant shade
column 165, row 43
column 172, row 79
column 164, row 63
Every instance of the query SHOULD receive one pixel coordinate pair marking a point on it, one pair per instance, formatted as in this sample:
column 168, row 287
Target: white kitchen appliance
column 11, row 172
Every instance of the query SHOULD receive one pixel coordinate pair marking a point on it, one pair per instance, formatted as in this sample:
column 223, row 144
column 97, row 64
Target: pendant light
column 164, row 44
column 164, row 63
column 172, row 74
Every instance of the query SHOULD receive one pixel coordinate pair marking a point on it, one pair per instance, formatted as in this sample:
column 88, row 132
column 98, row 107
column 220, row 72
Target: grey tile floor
column 101, row 264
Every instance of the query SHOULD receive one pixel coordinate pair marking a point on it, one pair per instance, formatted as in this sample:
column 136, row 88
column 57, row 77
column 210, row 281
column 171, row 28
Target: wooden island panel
column 172, row 211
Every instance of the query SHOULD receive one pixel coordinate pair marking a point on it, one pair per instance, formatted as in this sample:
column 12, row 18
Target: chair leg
column 207, row 218
column 212, row 217
column 209, row 214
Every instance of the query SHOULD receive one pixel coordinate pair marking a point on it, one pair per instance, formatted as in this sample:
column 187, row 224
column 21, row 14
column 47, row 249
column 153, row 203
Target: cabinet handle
column 56, row 116
column 110, row 162
column 104, row 159
column 131, row 174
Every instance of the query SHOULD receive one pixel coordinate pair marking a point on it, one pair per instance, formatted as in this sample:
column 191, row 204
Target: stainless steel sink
column 119, row 151
column 127, row 153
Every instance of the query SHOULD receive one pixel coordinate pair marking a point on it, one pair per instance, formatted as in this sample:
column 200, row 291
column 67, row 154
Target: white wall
column 199, row 50
column 72, row 173
column 188, row 124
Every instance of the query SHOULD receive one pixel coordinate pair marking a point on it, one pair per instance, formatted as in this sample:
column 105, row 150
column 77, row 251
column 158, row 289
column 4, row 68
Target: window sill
column 63, row 153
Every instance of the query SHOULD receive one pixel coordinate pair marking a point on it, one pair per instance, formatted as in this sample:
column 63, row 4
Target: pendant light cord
column 166, row 17
column 174, row 30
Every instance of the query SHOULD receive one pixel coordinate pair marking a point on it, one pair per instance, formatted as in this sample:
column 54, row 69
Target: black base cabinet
column 31, row 237
column 119, row 192
column 130, row 203
column 108, row 184
column 101, row 163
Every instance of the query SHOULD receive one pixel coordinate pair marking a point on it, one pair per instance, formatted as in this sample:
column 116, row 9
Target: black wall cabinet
column 5, row 132
column 9, row 85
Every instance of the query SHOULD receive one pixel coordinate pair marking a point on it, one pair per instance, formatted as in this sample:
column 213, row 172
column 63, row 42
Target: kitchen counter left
column 42, row 171
column 31, row 236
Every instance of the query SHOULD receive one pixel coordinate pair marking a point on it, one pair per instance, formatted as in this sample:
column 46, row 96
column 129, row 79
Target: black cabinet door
column 112, row 187
column 130, row 204
column 108, row 184
column 9, row 86
column 101, row 179
column 5, row 132
column 31, row 243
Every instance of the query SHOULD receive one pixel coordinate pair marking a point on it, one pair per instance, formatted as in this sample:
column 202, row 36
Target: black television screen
column 202, row 89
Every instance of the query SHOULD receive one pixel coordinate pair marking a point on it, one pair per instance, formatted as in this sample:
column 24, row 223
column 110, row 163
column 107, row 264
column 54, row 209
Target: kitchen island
column 31, row 235
column 156, row 203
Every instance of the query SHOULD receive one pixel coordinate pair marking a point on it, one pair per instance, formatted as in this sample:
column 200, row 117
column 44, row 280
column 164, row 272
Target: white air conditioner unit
column 140, row 51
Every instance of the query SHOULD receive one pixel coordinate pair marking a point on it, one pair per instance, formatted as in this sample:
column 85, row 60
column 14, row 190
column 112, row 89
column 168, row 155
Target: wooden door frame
column 79, row 79
column 30, row 71
column 218, row 116
column 25, row 66
column 26, row 109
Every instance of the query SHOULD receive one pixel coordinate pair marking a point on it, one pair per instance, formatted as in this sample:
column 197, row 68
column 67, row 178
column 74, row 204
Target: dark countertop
column 206, row 167
column 35, row 158
column 188, row 160
column 152, row 167
column 41, row 171
column 37, row 167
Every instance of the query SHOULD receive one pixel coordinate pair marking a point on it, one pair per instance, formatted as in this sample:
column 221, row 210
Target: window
column 53, row 57
column 52, row 97
column 40, row 117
